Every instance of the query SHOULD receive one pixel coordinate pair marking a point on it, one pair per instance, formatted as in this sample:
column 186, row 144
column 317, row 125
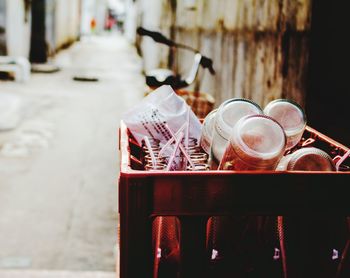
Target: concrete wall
column 17, row 28
column 50, row 23
column 155, row 15
column 62, row 25
column 67, row 22
column 2, row 27
column 259, row 48
column 131, row 20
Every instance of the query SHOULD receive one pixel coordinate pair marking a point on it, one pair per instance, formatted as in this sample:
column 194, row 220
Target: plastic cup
column 307, row 159
column 198, row 167
column 257, row 142
column 158, row 167
column 207, row 131
column 228, row 114
column 148, row 159
column 291, row 117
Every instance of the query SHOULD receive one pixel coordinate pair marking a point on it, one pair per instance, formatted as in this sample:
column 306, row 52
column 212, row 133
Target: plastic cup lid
column 310, row 159
column 231, row 111
column 288, row 113
column 259, row 136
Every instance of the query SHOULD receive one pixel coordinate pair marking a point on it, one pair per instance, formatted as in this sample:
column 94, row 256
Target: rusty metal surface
column 260, row 48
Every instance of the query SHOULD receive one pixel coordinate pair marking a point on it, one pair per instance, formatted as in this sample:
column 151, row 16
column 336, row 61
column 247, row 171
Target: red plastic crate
column 193, row 197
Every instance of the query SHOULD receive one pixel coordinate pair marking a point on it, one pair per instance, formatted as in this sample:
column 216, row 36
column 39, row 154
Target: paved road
column 58, row 169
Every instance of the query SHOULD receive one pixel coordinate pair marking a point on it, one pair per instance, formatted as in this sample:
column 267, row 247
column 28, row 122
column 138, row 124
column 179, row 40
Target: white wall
column 156, row 16
column 86, row 16
column 131, row 20
column 74, row 16
column 17, row 30
column 67, row 26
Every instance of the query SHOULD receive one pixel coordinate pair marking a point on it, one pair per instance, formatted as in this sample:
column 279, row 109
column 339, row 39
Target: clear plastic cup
column 158, row 167
column 291, row 116
column 192, row 142
column 200, row 158
column 228, row 114
column 153, row 142
column 154, row 149
column 207, row 131
column 199, row 155
column 257, row 142
column 148, row 159
column 198, row 167
column 307, row 159
column 193, row 150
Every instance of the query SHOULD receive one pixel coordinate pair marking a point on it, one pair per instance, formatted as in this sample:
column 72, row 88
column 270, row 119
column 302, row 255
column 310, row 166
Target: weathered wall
column 2, row 28
column 154, row 15
column 15, row 24
column 67, row 22
column 131, row 18
column 259, row 47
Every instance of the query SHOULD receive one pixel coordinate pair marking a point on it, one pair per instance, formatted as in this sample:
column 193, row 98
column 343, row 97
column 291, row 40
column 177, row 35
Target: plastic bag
column 160, row 108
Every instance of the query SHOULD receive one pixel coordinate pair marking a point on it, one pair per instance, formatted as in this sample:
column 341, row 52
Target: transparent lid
column 231, row 111
column 259, row 136
column 310, row 159
column 288, row 113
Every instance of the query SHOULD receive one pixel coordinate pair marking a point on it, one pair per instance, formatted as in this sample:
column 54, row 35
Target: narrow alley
column 59, row 167
column 174, row 138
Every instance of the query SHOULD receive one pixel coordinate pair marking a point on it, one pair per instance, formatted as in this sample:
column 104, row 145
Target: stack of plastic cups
column 256, row 142
column 225, row 118
column 165, row 229
column 149, row 149
column 153, row 143
column 198, row 157
column 227, row 115
column 200, row 161
column 192, row 147
column 160, row 165
column 329, row 229
column 308, row 159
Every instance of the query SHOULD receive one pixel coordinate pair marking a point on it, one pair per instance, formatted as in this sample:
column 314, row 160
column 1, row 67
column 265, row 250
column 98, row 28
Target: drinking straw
column 341, row 160
column 181, row 146
column 188, row 126
column 148, row 145
column 171, row 140
column 171, row 159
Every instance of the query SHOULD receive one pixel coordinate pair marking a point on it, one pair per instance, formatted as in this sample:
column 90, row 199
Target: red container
column 193, row 197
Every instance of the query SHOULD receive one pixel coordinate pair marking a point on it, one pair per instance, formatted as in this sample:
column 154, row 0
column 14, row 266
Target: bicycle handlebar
column 160, row 38
column 207, row 63
column 156, row 36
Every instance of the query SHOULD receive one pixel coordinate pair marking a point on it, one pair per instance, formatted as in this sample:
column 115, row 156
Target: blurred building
column 15, row 27
column 55, row 25
column 100, row 11
column 37, row 29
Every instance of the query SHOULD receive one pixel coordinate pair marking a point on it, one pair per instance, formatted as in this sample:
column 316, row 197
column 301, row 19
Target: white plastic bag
column 162, row 106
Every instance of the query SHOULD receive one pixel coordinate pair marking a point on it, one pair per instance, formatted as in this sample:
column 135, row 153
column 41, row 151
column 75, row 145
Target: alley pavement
column 59, row 166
